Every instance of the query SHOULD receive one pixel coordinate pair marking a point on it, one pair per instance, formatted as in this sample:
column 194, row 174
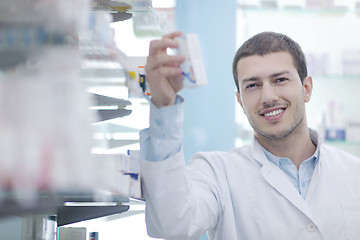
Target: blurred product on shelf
column 56, row 16
column 102, row 61
column 334, row 121
column 45, row 121
column 44, row 117
column 351, row 62
column 353, row 130
column 113, row 169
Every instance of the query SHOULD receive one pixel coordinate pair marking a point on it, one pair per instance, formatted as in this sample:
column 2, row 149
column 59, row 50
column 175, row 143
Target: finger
column 164, row 59
column 167, row 41
column 168, row 71
column 173, row 35
column 161, row 45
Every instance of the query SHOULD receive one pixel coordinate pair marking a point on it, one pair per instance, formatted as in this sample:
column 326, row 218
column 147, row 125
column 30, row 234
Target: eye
column 280, row 80
column 251, row 86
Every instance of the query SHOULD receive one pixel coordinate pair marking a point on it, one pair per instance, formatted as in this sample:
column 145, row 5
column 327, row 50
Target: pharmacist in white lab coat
column 286, row 184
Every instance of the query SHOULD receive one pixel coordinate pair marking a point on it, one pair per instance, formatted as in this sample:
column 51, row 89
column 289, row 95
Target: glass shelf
column 45, row 202
column 323, row 10
column 336, row 78
column 343, row 142
column 352, row 147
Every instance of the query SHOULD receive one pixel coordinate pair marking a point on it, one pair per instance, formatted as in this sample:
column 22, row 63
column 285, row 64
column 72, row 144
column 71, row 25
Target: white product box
column 193, row 67
column 72, row 233
column 353, row 131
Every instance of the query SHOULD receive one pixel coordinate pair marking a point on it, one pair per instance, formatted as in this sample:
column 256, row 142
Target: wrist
column 161, row 102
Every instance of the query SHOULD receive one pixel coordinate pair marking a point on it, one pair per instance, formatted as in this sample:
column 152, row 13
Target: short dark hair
column 270, row 42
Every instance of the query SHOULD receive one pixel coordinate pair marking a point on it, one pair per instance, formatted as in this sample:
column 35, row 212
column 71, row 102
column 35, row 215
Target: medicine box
column 193, row 67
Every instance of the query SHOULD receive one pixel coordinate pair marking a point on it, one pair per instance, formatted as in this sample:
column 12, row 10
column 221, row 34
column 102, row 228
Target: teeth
column 273, row 113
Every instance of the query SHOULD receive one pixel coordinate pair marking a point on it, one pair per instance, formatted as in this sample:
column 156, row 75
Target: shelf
column 49, row 203
column 67, row 215
column 338, row 77
column 343, row 142
column 106, row 114
column 335, row 11
column 19, row 41
column 100, row 64
column 352, row 147
column 44, row 205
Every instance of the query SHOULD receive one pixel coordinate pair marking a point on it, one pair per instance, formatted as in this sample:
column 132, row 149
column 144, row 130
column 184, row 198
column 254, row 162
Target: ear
column 239, row 99
column 308, row 86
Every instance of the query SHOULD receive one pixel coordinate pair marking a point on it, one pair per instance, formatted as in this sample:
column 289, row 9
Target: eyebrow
column 279, row 74
column 253, row 79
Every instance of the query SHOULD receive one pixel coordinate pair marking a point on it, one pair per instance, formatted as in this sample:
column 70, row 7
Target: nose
column 268, row 94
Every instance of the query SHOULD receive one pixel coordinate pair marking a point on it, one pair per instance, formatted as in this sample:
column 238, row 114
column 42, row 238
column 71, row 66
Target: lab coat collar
column 278, row 179
column 315, row 137
column 260, row 157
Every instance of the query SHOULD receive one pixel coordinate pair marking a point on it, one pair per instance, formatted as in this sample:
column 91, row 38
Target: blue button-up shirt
column 299, row 178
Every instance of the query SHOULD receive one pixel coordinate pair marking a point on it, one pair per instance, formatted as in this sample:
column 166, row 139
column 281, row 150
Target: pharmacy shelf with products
column 67, row 113
column 327, row 32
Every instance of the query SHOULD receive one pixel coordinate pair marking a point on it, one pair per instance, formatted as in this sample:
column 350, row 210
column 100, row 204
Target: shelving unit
column 94, row 62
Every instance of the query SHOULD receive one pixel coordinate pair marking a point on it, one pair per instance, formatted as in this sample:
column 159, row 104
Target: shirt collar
column 259, row 155
column 276, row 160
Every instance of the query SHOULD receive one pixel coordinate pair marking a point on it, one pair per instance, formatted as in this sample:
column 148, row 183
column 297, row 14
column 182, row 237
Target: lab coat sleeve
column 181, row 202
column 164, row 136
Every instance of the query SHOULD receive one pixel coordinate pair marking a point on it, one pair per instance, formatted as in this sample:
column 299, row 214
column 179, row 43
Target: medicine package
column 46, row 126
column 193, row 66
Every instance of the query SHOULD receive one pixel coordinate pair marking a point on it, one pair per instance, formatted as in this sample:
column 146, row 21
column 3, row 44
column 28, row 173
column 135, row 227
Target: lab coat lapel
column 315, row 179
column 278, row 180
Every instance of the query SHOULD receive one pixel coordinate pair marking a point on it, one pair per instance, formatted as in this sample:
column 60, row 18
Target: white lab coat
column 242, row 195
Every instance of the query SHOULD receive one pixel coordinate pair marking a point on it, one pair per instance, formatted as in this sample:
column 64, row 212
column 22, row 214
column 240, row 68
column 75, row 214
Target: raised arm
column 179, row 205
column 163, row 71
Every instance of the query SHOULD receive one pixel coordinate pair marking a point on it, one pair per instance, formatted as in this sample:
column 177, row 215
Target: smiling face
column 272, row 94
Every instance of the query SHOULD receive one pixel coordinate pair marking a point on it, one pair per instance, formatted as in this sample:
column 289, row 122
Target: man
column 286, row 184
